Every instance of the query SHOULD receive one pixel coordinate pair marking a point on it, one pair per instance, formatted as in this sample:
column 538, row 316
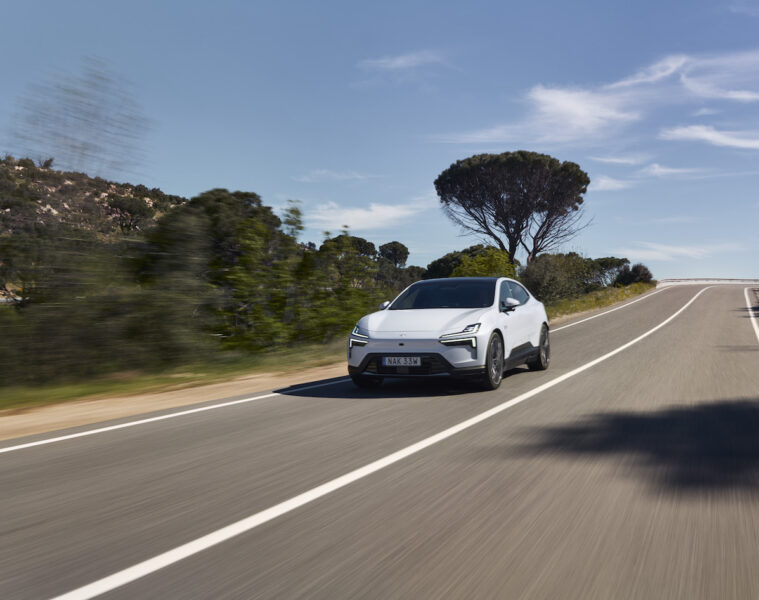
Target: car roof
column 466, row 278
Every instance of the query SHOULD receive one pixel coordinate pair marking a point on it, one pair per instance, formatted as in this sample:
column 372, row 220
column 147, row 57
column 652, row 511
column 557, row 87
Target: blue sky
column 354, row 108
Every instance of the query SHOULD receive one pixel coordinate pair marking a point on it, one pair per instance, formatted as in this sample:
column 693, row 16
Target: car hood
column 437, row 320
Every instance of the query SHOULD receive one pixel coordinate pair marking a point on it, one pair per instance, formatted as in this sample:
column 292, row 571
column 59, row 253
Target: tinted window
column 505, row 292
column 518, row 292
column 450, row 293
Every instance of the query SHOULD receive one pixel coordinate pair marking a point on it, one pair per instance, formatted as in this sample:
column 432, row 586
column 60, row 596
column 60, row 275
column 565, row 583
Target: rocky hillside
column 32, row 195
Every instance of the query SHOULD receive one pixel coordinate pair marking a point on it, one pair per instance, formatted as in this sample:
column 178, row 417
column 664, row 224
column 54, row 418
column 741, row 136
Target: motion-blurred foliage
column 98, row 277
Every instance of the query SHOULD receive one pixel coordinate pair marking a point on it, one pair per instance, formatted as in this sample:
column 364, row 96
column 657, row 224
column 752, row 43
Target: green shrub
column 638, row 273
column 491, row 263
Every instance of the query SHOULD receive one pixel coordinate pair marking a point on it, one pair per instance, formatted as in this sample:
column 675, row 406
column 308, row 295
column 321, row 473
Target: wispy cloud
column 556, row 115
column 710, row 135
column 332, row 216
column 706, row 112
column 657, row 170
column 677, row 220
column 579, row 112
column 667, row 252
column 620, row 160
column 403, row 62
column 592, row 115
column 745, row 7
column 722, row 76
column 653, row 73
column 320, row 175
column 609, row 184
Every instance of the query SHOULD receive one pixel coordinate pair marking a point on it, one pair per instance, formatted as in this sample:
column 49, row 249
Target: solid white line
column 225, row 533
column 751, row 313
column 190, row 411
column 608, row 311
column 233, row 402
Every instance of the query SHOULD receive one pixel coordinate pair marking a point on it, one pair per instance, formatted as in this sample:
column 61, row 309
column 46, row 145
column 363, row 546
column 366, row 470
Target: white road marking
column 160, row 561
column 751, row 313
column 608, row 311
column 182, row 413
column 242, row 401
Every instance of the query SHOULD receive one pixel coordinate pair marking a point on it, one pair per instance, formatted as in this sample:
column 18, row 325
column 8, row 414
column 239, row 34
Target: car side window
column 504, row 293
column 518, row 292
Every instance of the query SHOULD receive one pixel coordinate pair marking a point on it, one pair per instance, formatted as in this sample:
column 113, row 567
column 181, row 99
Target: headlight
column 358, row 333
column 462, row 338
column 468, row 330
column 358, row 338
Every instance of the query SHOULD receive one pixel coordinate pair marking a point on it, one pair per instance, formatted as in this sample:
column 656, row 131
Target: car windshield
column 449, row 293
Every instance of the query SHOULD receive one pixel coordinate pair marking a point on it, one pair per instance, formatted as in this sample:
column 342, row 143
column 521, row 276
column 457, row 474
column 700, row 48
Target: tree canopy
column 490, row 263
column 517, row 199
column 444, row 266
column 362, row 246
column 395, row 252
column 638, row 273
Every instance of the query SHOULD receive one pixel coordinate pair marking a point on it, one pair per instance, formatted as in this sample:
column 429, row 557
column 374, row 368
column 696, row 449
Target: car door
column 528, row 314
column 512, row 322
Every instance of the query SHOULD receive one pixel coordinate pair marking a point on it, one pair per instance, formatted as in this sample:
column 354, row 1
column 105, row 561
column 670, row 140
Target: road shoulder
column 19, row 422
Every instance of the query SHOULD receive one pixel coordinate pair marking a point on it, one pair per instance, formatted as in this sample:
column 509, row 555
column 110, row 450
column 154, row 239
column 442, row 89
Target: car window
column 518, row 292
column 505, row 292
column 449, row 293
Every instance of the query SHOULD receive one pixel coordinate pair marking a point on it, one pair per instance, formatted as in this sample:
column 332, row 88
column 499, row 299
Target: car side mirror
column 385, row 304
column 509, row 304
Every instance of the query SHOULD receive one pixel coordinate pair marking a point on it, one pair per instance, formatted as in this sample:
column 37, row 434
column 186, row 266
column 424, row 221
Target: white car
column 461, row 326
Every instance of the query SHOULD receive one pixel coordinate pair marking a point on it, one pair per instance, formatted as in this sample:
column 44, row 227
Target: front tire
column 543, row 358
column 493, row 363
column 366, row 381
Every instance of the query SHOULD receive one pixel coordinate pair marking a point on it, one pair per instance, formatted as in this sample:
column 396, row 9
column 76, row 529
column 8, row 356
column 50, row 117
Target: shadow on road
column 684, row 449
column 392, row 388
column 751, row 348
column 754, row 310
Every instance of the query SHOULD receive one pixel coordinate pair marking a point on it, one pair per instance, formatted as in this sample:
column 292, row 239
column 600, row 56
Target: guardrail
column 706, row 280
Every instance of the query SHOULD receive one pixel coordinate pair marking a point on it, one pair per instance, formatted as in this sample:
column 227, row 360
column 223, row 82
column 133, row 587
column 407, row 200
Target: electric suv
column 475, row 327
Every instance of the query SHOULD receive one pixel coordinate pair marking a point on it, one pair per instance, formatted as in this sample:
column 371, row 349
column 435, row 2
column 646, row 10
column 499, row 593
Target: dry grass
column 598, row 299
column 124, row 384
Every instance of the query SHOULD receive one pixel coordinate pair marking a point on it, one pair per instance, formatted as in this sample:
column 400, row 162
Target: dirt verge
column 18, row 422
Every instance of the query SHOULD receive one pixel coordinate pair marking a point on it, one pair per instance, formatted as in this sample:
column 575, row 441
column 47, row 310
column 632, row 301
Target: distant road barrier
column 693, row 281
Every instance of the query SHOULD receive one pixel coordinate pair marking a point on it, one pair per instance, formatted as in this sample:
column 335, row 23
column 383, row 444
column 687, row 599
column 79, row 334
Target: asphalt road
column 636, row 476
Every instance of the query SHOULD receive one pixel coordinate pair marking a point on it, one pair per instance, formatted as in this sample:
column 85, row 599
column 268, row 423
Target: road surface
column 629, row 469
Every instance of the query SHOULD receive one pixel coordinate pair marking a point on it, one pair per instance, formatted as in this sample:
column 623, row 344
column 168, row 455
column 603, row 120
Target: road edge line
column 645, row 296
column 751, row 312
column 245, row 400
column 181, row 413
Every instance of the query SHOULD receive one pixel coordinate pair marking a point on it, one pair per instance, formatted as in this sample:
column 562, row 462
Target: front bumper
column 436, row 358
column 433, row 364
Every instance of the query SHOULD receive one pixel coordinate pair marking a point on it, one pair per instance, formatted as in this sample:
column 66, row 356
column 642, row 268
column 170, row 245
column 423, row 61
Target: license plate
column 401, row 361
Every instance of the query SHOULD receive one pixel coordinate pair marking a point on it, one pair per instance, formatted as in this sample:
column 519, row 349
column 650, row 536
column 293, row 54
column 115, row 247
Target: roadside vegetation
column 127, row 383
column 595, row 300
column 126, row 288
